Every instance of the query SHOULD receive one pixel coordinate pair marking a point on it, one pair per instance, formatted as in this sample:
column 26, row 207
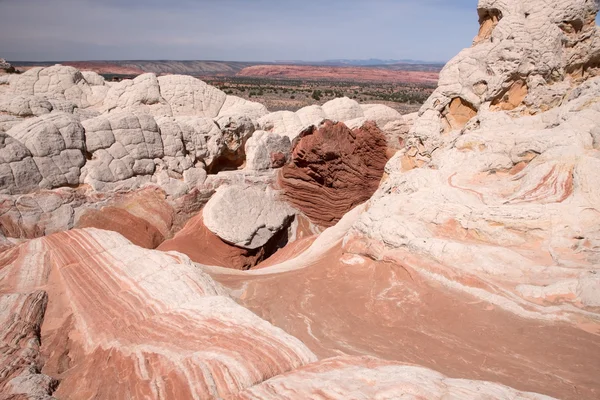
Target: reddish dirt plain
column 351, row 74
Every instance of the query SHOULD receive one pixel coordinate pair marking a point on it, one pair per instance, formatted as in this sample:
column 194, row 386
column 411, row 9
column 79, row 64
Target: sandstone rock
column 141, row 94
column 9, row 121
column 18, row 171
column 187, row 95
column 246, row 217
column 355, row 123
column 39, row 213
column 56, row 143
column 341, row 293
column 343, row 109
column 196, row 241
column 501, row 69
column 25, row 106
column 145, row 218
column 121, row 146
column 171, row 95
column 396, row 131
column 157, row 310
column 284, row 123
column 267, row 150
column 45, row 212
column 5, row 243
column 93, row 78
column 57, row 82
column 380, row 114
column 503, row 196
column 194, row 139
column 370, row 378
column 21, row 362
column 311, row 115
column 334, row 169
column 234, row 105
column 236, row 130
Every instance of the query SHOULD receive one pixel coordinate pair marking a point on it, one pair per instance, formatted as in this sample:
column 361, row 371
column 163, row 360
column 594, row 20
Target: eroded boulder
column 246, row 217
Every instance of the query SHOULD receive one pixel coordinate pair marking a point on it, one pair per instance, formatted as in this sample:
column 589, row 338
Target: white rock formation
column 56, row 143
column 57, row 82
column 246, row 217
column 25, row 106
column 266, row 150
column 284, row 123
column 346, row 110
column 121, row 145
column 347, row 377
column 343, row 109
column 234, row 105
column 508, row 195
column 311, row 115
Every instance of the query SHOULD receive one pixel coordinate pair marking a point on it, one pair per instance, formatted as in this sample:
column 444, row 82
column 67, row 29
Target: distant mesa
column 327, row 70
column 339, row 73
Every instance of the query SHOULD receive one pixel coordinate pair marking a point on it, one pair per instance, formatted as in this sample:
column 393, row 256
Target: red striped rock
column 334, row 169
column 344, row 378
column 145, row 218
column 197, row 242
column 124, row 322
column 348, row 295
column 21, row 316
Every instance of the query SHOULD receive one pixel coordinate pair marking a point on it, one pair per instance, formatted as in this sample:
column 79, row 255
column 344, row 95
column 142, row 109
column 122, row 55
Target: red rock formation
column 124, row 322
column 197, row 242
column 334, row 169
column 345, row 303
column 353, row 74
column 21, row 316
column 145, row 218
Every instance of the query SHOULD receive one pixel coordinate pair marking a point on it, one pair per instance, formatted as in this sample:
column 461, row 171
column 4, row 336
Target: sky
column 235, row 30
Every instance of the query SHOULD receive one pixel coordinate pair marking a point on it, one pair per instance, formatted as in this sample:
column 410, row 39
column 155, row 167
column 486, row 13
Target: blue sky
column 242, row 30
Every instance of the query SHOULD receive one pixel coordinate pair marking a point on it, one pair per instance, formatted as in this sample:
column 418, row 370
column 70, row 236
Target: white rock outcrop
column 266, row 150
column 342, row 109
column 496, row 184
column 245, row 216
column 58, row 82
column 56, row 143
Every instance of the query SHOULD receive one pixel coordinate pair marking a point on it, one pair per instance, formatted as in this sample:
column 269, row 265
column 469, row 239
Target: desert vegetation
column 293, row 94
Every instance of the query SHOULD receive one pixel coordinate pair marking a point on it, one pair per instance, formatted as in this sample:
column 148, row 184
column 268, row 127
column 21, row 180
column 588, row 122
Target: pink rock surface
column 339, row 302
column 126, row 322
column 21, row 315
column 345, row 378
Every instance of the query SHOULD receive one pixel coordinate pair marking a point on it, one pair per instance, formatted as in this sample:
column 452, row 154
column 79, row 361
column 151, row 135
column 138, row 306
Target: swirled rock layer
column 123, row 322
column 334, row 169
column 343, row 378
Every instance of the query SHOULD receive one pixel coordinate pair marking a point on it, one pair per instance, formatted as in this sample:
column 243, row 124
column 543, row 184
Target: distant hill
column 128, row 67
column 223, row 68
column 371, row 62
column 340, row 73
